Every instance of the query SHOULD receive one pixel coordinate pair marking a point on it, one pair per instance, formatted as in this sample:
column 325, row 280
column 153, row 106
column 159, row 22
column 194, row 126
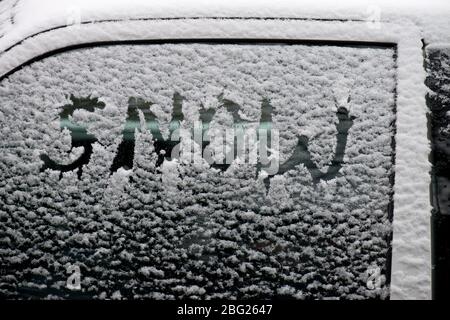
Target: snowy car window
column 199, row 170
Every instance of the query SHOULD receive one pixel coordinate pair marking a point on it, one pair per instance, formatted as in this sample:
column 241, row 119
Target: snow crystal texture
column 186, row 230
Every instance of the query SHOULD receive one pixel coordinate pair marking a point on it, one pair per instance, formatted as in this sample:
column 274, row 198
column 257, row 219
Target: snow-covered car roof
column 22, row 20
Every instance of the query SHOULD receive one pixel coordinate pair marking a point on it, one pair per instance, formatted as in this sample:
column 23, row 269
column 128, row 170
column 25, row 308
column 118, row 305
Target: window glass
column 199, row 170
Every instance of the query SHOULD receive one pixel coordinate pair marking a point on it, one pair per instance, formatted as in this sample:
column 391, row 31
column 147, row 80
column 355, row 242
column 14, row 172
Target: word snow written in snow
column 258, row 146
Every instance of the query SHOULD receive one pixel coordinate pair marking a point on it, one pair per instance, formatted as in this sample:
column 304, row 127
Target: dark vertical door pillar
column 437, row 64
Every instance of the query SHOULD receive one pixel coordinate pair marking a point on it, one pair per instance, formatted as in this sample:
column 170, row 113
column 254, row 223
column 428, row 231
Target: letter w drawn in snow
column 302, row 155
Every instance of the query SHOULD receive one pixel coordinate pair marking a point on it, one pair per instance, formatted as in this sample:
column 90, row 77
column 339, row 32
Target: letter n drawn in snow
column 163, row 147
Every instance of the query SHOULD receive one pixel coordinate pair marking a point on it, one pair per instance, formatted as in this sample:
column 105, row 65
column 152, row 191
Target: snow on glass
column 127, row 162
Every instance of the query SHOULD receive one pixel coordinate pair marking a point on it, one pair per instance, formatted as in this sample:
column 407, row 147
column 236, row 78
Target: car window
column 199, row 170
